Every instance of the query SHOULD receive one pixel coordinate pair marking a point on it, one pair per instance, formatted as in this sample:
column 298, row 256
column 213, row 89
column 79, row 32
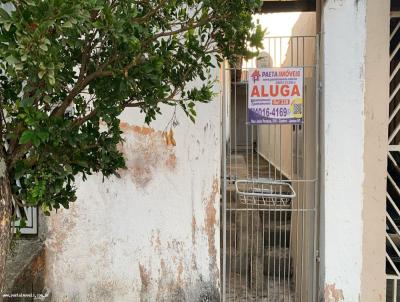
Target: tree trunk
column 5, row 221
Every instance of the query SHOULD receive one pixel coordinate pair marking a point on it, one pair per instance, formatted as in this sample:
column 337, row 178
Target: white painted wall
column 343, row 42
column 153, row 234
column 350, row 149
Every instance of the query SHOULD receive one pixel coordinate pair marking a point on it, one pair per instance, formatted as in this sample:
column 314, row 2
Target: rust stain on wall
column 61, row 226
column 125, row 127
column 145, row 282
column 210, row 222
column 332, row 294
column 194, row 229
column 105, row 290
column 175, row 245
column 155, row 240
column 170, row 283
column 144, row 276
column 180, row 272
column 145, row 150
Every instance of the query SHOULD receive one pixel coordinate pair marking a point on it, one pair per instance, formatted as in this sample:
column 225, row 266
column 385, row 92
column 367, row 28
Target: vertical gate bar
column 268, row 127
column 262, row 254
column 247, row 249
column 395, row 290
column 261, row 247
column 234, row 260
column 303, row 176
column 291, row 176
column 231, row 253
column 251, row 254
column 297, row 190
column 224, row 181
column 229, row 175
column 253, row 262
column 269, row 212
column 247, row 171
column 241, row 251
column 316, row 176
column 236, row 173
column 274, row 167
column 280, row 190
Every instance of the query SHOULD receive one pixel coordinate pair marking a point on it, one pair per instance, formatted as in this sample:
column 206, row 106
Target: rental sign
column 275, row 95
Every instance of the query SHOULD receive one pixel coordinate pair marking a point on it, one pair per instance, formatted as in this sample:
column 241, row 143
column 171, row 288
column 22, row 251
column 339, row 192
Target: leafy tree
column 67, row 66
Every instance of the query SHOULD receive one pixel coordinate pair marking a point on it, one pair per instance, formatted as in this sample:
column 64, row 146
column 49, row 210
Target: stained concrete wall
column 153, row 234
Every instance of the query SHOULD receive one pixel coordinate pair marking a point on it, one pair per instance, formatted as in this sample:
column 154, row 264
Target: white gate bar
column 396, row 69
column 395, row 30
column 394, row 52
column 393, row 148
column 394, row 205
column 395, row 14
column 393, row 223
column 394, row 183
column 393, row 114
column 393, row 265
column 394, row 133
column 393, row 244
column 394, row 93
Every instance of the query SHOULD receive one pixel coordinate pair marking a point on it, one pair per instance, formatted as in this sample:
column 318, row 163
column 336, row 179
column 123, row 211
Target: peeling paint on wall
column 194, row 229
column 145, row 280
column 210, row 224
column 145, row 151
column 61, row 227
column 151, row 235
column 332, row 294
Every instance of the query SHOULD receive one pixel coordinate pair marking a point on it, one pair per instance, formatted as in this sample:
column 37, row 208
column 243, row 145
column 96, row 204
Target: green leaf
column 11, row 60
column 46, row 209
column 7, row 25
column 4, row 16
column 52, row 80
column 36, row 140
column 67, row 24
column 82, row 163
column 43, row 135
column 19, row 66
column 26, row 137
column 43, row 47
column 41, row 74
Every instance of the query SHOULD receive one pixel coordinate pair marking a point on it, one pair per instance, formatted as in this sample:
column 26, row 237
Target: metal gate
column 270, row 185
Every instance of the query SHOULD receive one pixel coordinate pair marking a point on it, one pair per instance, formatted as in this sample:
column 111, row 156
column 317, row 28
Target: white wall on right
column 355, row 80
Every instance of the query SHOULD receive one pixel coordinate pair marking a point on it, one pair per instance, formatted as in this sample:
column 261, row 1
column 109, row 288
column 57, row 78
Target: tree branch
column 150, row 14
column 79, row 86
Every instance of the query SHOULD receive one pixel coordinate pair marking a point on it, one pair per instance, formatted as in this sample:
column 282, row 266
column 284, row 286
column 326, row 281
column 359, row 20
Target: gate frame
column 317, row 188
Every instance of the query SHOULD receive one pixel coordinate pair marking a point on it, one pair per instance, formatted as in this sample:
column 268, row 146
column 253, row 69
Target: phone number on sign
column 275, row 112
